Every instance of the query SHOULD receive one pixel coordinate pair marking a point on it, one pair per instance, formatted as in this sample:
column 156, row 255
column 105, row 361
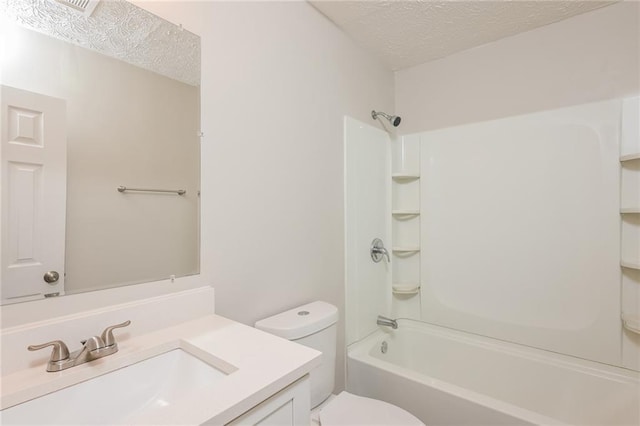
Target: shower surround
column 506, row 251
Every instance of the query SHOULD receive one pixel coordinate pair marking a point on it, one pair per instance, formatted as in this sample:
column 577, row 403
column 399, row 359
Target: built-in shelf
column 406, row 249
column 630, row 210
column 631, row 322
column 627, row 264
column 406, row 289
column 407, row 176
column 405, row 212
column 405, row 226
column 629, row 157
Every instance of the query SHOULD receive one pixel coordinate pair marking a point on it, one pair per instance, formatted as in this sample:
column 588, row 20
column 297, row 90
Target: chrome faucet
column 387, row 322
column 92, row 348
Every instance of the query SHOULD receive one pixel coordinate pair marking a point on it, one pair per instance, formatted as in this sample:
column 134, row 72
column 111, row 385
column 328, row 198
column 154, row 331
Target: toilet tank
column 312, row 325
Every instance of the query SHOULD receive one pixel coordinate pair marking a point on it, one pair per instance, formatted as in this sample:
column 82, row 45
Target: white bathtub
column 445, row 376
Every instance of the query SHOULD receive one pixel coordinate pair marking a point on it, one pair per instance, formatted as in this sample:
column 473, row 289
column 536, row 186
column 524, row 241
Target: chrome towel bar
column 177, row 191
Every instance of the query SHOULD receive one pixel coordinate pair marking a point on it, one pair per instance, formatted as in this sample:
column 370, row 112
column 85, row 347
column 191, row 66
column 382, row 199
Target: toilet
column 314, row 325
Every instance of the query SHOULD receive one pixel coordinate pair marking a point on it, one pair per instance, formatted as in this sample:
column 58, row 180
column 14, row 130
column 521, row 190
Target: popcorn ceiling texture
column 408, row 33
column 117, row 29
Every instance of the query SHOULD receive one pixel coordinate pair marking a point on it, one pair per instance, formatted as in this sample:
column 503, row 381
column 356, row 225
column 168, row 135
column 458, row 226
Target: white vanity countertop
column 259, row 365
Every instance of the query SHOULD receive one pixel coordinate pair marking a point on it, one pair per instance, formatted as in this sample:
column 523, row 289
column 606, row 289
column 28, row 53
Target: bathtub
column 448, row 377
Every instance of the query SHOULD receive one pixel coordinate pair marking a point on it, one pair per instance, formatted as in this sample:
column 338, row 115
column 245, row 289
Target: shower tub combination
column 448, row 377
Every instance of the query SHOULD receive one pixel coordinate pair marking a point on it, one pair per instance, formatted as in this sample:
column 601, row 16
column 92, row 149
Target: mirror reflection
column 93, row 100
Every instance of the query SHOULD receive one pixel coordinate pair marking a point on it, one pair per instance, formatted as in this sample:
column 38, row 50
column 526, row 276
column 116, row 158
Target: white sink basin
column 114, row 397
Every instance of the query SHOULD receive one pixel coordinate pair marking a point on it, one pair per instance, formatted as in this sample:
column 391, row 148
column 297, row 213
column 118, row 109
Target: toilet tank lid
column 300, row 322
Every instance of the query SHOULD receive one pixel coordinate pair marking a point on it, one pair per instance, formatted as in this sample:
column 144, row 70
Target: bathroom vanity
column 208, row 370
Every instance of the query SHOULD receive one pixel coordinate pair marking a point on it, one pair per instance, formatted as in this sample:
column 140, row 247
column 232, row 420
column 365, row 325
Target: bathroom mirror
column 120, row 88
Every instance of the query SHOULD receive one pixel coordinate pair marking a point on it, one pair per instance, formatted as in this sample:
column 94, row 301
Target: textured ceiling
column 117, row 29
column 407, row 33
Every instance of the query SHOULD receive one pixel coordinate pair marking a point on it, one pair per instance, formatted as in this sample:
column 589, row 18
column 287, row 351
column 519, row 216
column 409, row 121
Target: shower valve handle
column 378, row 251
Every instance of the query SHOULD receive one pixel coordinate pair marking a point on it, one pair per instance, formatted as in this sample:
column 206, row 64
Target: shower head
column 393, row 119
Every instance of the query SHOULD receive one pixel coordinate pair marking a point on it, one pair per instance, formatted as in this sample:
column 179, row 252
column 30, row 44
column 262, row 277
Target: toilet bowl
column 314, row 325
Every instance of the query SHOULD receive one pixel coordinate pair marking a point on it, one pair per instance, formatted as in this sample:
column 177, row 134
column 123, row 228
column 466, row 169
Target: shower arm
column 393, row 119
column 375, row 115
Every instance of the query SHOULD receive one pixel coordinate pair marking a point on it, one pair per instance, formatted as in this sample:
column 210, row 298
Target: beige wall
column 277, row 80
column 116, row 116
column 590, row 57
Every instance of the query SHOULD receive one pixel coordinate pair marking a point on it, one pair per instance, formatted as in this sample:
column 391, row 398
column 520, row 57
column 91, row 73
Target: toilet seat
column 348, row 409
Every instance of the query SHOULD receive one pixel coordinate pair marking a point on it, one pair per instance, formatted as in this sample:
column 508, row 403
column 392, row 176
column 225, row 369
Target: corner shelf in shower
column 630, row 265
column 405, row 289
column 630, row 210
column 629, row 157
column 405, row 212
column 404, row 176
column 406, row 249
column 631, row 322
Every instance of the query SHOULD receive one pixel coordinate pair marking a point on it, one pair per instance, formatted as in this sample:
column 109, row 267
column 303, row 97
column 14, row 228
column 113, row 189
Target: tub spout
column 388, row 322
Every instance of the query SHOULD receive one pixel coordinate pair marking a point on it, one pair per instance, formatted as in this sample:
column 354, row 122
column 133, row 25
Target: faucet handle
column 378, row 251
column 107, row 334
column 60, row 351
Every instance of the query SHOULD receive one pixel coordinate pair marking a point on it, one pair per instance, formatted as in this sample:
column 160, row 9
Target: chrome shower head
column 393, row 119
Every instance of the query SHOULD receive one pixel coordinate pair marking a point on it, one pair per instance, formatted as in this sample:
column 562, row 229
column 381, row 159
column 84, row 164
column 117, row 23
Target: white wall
column 277, row 80
column 521, row 229
column 590, row 57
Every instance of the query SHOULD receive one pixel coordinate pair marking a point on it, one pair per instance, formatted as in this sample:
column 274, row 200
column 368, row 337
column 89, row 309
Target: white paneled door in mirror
column 33, row 194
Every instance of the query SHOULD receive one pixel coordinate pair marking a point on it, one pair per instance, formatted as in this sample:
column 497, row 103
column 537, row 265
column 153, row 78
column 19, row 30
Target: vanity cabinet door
column 290, row 406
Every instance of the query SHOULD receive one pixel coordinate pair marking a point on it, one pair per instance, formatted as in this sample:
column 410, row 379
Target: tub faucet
column 387, row 322
column 92, row 348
